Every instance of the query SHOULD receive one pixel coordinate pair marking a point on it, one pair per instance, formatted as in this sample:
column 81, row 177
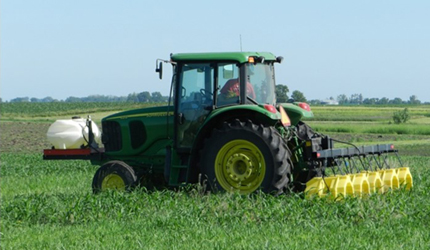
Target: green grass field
column 50, row 205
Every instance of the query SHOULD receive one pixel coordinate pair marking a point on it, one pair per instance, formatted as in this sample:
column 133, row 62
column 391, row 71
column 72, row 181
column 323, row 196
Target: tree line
column 358, row 99
column 281, row 96
column 144, row 96
column 354, row 99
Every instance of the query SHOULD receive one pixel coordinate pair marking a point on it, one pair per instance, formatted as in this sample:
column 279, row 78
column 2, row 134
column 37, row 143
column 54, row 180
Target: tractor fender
column 295, row 112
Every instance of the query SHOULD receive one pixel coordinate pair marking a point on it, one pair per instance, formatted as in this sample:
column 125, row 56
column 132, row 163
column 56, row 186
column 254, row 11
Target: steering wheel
column 207, row 97
column 205, row 93
column 264, row 90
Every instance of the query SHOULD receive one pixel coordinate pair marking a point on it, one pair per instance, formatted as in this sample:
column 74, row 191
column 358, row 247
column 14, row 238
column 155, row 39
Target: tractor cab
column 206, row 82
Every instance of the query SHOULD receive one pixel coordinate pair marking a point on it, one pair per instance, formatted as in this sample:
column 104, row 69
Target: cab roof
column 240, row 57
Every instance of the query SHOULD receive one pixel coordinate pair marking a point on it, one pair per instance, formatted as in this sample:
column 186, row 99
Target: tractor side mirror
column 159, row 69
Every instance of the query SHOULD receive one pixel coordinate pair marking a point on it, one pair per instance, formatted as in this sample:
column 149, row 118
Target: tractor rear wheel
column 244, row 157
column 114, row 175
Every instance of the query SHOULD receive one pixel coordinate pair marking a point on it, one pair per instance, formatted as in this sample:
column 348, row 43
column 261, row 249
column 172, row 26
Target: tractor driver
column 231, row 89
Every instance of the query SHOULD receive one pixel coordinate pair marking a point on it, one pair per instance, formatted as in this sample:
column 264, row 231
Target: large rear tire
column 114, row 175
column 244, row 157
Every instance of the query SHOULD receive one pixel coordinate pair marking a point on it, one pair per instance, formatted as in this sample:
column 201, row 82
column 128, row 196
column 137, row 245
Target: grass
column 48, row 112
column 62, row 213
column 366, row 113
column 371, row 128
column 373, row 125
column 50, row 205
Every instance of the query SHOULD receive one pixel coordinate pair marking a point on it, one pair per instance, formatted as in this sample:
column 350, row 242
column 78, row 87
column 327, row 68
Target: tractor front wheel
column 244, row 157
column 114, row 175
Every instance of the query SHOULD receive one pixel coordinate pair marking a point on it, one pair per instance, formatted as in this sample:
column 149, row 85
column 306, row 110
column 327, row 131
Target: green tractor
column 222, row 127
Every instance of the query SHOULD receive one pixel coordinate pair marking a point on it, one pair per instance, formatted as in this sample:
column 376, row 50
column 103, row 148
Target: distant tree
column 414, row 100
column 281, row 93
column 370, row 101
column 356, row 99
column 48, row 99
column 1, row 100
column 20, row 99
column 383, row 101
column 112, row 98
column 157, row 97
column 314, row 102
column 396, row 100
column 73, row 99
column 98, row 98
column 120, row 99
column 144, row 96
column 298, row 96
column 132, row 98
column 342, row 99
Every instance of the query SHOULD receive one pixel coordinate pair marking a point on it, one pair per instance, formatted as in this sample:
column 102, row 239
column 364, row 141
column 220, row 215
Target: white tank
column 71, row 133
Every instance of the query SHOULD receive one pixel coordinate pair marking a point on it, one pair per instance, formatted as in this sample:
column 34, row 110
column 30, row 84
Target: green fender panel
column 258, row 111
column 295, row 112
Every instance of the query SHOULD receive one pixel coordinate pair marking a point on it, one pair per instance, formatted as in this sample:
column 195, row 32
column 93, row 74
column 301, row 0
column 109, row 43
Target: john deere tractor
column 223, row 127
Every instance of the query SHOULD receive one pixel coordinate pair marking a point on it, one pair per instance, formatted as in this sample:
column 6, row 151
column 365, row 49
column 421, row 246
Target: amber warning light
column 285, row 119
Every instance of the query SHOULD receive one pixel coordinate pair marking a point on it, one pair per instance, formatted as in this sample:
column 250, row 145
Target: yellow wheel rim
column 113, row 181
column 240, row 166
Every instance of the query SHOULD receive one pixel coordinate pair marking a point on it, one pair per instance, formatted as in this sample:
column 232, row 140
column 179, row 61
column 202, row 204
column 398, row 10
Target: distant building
column 329, row 102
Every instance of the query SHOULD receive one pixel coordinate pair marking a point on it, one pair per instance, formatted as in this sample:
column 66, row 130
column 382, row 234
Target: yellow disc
column 240, row 166
column 113, row 181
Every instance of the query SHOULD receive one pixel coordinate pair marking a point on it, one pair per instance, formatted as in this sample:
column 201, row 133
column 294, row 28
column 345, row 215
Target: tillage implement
column 223, row 128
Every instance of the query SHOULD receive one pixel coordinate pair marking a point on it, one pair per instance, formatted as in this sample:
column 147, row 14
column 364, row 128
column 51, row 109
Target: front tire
column 114, row 175
column 244, row 157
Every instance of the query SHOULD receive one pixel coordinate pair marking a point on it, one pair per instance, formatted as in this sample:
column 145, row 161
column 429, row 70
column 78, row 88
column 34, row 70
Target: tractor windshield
column 260, row 83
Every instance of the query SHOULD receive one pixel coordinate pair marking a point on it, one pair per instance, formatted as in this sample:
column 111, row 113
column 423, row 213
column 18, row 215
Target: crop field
column 49, row 112
column 50, row 205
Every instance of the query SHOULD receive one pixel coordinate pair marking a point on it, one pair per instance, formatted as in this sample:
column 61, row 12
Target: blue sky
column 80, row 48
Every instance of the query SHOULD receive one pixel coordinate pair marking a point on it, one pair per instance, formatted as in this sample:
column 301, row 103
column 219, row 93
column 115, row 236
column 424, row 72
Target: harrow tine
column 347, row 165
column 355, row 165
column 398, row 158
column 339, row 166
column 360, row 157
column 385, row 157
column 365, row 163
column 377, row 161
